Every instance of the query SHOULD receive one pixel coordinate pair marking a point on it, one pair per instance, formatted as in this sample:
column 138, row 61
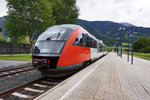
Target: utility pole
column 121, row 45
column 121, row 28
column 131, row 32
column 117, row 44
column 128, row 49
column 132, row 46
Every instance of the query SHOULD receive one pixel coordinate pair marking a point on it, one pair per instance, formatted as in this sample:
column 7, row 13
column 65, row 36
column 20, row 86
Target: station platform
column 110, row 78
column 10, row 63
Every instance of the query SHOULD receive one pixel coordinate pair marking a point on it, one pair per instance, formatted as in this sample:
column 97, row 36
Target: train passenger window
column 85, row 40
column 79, row 40
column 88, row 41
column 76, row 42
column 95, row 44
column 100, row 47
column 92, row 43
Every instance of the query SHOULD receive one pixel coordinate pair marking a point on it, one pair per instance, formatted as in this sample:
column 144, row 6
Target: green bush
column 147, row 50
column 141, row 44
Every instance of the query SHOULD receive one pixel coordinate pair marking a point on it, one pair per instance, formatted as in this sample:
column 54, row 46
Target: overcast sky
column 136, row 12
column 3, row 8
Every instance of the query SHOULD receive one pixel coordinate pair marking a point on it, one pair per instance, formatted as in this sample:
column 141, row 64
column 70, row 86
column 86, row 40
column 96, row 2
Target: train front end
column 47, row 51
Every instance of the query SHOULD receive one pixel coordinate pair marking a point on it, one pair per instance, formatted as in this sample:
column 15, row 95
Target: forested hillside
column 108, row 31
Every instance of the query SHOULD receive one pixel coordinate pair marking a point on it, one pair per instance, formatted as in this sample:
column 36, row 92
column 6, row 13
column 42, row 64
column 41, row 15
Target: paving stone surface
column 110, row 78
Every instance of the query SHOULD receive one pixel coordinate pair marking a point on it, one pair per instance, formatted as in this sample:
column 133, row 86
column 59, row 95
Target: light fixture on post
column 121, row 28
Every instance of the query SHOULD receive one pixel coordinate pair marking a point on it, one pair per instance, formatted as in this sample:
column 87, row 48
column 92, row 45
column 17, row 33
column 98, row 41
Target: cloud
column 133, row 11
column 119, row 1
column 3, row 8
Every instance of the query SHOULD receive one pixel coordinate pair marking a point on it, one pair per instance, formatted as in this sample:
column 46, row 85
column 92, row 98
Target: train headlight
column 41, row 62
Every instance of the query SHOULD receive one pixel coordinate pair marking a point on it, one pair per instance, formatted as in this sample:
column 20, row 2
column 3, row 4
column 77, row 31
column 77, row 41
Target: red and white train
column 65, row 49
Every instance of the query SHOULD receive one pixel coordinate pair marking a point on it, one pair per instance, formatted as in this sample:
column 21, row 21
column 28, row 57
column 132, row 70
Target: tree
column 65, row 11
column 29, row 17
column 147, row 50
column 2, row 38
column 142, row 44
column 26, row 17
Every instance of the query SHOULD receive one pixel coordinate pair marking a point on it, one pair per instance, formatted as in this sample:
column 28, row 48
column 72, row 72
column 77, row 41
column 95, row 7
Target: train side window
column 95, row 44
column 79, row 40
column 76, row 42
column 100, row 47
column 92, row 43
column 84, row 39
column 88, row 41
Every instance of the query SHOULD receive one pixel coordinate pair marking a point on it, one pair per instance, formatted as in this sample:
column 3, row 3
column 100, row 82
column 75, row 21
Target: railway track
column 15, row 70
column 31, row 90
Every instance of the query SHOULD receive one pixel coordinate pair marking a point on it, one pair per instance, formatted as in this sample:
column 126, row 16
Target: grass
column 25, row 57
column 123, row 46
column 126, row 44
column 141, row 55
column 109, row 49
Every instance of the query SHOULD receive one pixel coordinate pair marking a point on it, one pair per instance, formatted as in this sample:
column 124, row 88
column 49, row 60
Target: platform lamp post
column 121, row 28
column 128, row 49
column 116, row 47
column 132, row 46
column 131, row 33
column 117, row 44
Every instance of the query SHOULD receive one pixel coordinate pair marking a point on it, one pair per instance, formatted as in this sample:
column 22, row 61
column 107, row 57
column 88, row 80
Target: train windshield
column 52, row 40
column 55, row 33
column 48, row 47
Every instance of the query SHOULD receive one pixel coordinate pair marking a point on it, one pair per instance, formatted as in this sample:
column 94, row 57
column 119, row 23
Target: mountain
column 127, row 24
column 105, row 30
column 108, row 31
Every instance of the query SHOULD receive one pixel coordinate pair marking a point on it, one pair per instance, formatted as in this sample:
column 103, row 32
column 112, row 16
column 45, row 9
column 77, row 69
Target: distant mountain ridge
column 127, row 24
column 107, row 30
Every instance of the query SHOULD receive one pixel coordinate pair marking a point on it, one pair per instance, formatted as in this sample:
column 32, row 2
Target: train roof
column 71, row 26
column 58, row 32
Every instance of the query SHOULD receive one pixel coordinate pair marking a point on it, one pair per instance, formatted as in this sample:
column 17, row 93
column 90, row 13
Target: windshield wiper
column 54, row 36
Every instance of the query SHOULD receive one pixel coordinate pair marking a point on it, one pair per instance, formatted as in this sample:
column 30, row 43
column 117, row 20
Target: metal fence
column 10, row 48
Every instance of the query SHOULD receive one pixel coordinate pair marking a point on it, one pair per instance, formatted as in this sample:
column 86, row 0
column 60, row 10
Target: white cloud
column 133, row 11
column 3, row 8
